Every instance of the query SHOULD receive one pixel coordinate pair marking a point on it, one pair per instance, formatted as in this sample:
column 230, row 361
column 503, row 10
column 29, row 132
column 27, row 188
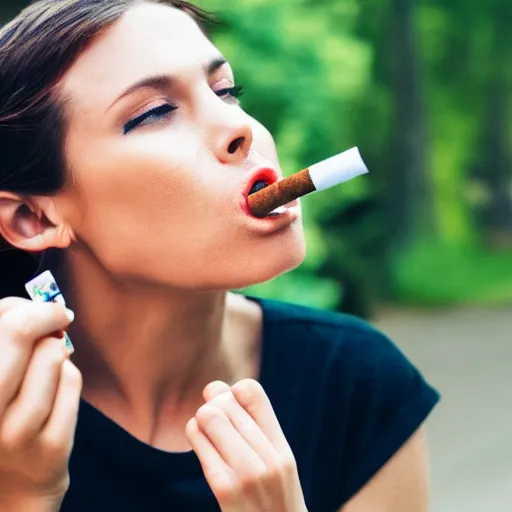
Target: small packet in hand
column 44, row 288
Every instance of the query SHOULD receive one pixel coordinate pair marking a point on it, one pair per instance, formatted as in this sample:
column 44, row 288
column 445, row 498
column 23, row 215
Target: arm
column 402, row 485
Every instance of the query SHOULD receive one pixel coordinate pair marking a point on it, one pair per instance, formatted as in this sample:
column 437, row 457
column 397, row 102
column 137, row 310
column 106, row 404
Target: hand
column 39, row 397
column 243, row 452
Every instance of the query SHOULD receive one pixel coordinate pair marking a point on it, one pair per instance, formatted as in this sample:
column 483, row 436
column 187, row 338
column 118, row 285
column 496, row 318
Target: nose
column 232, row 134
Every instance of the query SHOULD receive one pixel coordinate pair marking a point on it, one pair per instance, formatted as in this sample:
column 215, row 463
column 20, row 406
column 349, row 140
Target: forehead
column 149, row 39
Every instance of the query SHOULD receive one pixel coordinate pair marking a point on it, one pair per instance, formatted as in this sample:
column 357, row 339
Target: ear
column 32, row 224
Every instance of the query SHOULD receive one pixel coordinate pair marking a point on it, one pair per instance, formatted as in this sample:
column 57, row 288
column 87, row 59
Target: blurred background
column 423, row 246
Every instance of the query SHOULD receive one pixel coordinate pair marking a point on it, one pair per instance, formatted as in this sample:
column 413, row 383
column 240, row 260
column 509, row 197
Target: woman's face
column 160, row 171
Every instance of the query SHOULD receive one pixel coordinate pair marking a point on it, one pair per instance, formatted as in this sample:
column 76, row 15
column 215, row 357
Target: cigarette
column 321, row 176
column 43, row 288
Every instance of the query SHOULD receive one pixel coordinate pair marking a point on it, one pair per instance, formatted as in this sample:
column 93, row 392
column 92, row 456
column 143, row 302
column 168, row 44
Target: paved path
column 467, row 355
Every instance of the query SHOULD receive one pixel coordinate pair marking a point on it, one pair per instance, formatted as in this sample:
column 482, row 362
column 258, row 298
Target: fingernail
column 70, row 314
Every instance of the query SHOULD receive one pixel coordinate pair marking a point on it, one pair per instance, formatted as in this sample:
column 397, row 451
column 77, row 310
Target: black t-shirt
column 345, row 396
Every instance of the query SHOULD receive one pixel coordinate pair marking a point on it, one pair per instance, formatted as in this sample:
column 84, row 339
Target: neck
column 147, row 349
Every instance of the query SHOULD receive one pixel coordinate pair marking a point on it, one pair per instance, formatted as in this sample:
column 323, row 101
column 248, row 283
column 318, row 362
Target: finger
column 11, row 302
column 216, row 471
column 214, row 389
column 21, row 328
column 30, row 409
column 28, row 321
column 233, row 449
column 252, row 397
column 59, row 430
column 247, row 428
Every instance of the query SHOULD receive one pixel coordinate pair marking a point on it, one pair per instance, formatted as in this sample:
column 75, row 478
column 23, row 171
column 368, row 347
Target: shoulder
column 364, row 394
column 346, row 338
column 354, row 351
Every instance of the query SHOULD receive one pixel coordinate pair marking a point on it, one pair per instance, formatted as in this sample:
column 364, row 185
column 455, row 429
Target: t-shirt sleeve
column 388, row 399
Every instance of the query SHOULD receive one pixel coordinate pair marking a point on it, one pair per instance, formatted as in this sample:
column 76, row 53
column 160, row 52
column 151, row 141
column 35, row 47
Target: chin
column 272, row 262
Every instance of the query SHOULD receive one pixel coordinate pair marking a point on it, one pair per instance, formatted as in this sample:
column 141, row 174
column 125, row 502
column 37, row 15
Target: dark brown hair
column 36, row 49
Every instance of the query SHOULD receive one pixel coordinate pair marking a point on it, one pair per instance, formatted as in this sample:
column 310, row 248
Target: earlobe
column 26, row 225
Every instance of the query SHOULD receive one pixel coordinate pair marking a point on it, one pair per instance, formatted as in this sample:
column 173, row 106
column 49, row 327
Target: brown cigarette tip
column 261, row 203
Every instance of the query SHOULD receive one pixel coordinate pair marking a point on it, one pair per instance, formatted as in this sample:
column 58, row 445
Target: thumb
column 214, row 389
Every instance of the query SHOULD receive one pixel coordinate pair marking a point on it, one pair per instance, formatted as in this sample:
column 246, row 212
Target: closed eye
column 153, row 115
column 234, row 92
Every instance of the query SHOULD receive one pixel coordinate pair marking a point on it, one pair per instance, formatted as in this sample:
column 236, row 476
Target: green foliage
column 436, row 274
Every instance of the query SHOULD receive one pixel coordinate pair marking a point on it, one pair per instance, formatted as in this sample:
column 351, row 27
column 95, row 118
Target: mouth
column 260, row 185
column 260, row 180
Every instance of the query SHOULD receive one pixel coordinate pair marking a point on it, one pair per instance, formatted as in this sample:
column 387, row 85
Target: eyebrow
column 165, row 81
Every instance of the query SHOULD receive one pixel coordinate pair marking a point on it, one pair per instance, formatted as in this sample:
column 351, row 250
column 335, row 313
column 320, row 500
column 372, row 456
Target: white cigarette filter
column 337, row 169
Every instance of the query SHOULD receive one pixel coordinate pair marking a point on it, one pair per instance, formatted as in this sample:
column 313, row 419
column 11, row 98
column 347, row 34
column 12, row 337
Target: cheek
column 133, row 170
column 139, row 189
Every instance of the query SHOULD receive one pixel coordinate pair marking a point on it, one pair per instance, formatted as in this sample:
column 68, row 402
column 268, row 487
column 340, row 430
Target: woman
column 126, row 153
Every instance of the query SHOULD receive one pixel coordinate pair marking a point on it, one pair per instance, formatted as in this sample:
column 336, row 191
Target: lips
column 256, row 179
column 275, row 222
